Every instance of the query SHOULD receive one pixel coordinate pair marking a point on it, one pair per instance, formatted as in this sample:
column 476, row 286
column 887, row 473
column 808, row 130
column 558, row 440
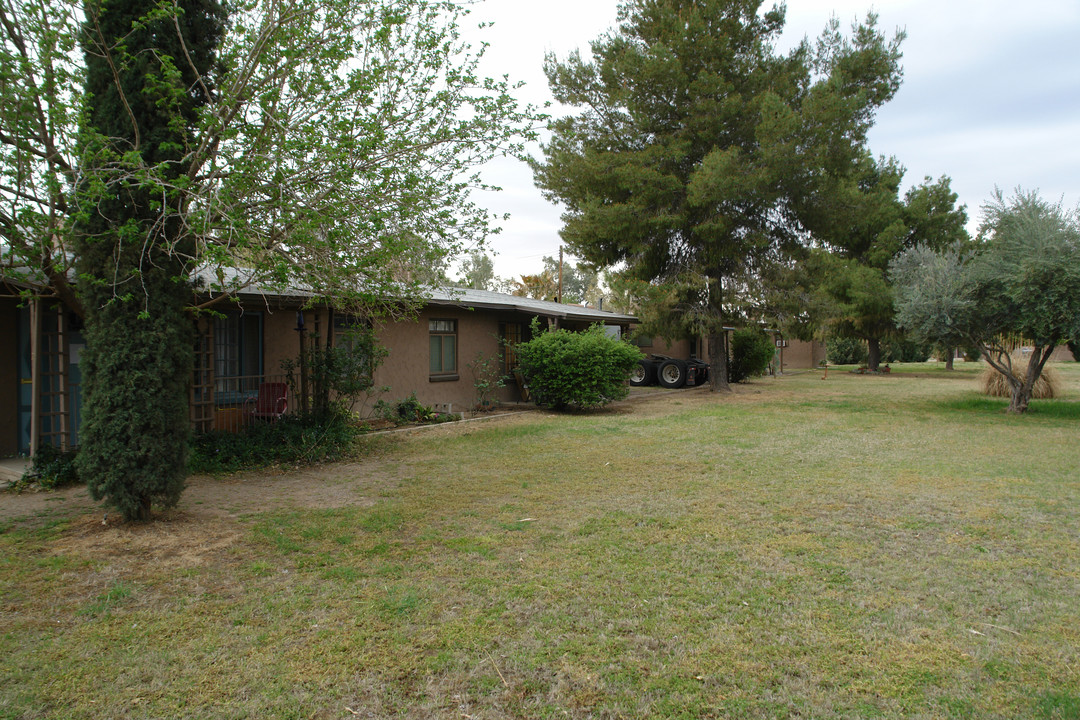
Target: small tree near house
column 488, row 377
column 339, row 376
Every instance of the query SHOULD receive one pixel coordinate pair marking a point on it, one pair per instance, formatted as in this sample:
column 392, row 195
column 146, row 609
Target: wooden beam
column 35, row 374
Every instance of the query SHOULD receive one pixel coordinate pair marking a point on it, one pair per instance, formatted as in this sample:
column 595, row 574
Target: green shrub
column 339, row 376
column 904, row 350
column 579, row 369
column 291, row 439
column 50, row 468
column 488, row 377
column 847, row 351
column 409, row 410
column 751, row 352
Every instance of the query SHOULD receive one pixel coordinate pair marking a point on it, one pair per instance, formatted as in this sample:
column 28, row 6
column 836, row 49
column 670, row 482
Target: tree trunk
column 718, row 361
column 1018, row 403
column 1022, row 390
column 950, row 353
column 874, row 347
column 718, row 349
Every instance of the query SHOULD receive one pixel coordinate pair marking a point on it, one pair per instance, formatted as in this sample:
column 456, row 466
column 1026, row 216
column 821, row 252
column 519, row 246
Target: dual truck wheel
column 669, row 374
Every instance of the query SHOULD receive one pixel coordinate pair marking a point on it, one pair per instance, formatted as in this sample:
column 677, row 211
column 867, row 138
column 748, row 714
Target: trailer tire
column 643, row 374
column 672, row 374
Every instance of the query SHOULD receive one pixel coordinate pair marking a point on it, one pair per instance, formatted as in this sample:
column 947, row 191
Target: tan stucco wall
column 406, row 368
column 9, row 378
column 680, row 349
column 280, row 339
column 800, row 354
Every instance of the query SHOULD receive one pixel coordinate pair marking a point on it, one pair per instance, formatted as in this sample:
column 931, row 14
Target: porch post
column 62, row 378
column 35, row 375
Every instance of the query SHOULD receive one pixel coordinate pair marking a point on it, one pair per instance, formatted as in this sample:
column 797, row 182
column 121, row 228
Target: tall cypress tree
column 147, row 73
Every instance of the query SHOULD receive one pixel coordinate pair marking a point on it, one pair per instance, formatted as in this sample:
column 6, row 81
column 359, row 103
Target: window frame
column 443, row 374
column 237, row 335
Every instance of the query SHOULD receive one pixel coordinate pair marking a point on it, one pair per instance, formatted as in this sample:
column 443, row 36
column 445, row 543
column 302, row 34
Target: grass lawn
column 862, row 546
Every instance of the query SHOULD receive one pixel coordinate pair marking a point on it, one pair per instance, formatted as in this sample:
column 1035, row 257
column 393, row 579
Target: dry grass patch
column 1047, row 387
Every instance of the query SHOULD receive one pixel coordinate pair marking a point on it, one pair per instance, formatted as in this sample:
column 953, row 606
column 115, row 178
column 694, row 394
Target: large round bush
column 579, row 369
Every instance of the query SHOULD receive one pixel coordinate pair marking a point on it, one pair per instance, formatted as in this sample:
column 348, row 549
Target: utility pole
column 558, row 296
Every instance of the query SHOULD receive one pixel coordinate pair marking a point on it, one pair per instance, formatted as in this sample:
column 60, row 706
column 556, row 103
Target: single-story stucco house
column 244, row 348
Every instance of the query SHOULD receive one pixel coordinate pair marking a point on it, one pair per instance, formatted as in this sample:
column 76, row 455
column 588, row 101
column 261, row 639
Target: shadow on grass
column 1043, row 409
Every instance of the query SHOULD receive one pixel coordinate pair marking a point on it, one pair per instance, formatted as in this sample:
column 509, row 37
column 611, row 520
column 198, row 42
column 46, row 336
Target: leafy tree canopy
column 334, row 146
column 580, row 283
column 863, row 224
column 478, row 272
column 168, row 152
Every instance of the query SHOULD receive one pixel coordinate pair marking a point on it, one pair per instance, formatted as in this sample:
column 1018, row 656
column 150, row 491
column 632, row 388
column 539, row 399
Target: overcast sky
column 990, row 97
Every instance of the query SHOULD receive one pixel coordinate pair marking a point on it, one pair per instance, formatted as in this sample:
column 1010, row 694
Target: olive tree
column 1019, row 281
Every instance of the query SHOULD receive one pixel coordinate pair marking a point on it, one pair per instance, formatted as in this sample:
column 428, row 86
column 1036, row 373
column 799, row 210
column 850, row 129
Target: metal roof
column 245, row 285
column 468, row 298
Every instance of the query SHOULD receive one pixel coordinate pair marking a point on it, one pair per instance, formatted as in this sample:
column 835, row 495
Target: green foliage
column 846, row 350
column 272, row 147
column 488, row 377
column 292, row 439
column 863, row 224
column 751, row 352
column 901, row 349
column 674, row 309
column 339, row 376
column 1021, row 281
column 579, row 369
column 139, row 345
column 580, row 283
column 697, row 148
column 50, row 468
column 409, row 410
column 478, row 272
column 314, row 120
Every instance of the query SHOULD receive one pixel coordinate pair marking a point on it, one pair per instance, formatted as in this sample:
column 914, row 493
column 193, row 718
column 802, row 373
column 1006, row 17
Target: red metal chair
column 272, row 402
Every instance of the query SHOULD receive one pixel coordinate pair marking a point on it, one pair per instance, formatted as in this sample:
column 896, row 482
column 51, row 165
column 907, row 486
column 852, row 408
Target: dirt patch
column 175, row 540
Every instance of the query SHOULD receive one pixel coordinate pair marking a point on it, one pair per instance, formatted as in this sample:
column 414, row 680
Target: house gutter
column 529, row 310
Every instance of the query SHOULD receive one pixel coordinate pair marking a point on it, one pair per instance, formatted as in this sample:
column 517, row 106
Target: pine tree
column 863, row 225
column 698, row 145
